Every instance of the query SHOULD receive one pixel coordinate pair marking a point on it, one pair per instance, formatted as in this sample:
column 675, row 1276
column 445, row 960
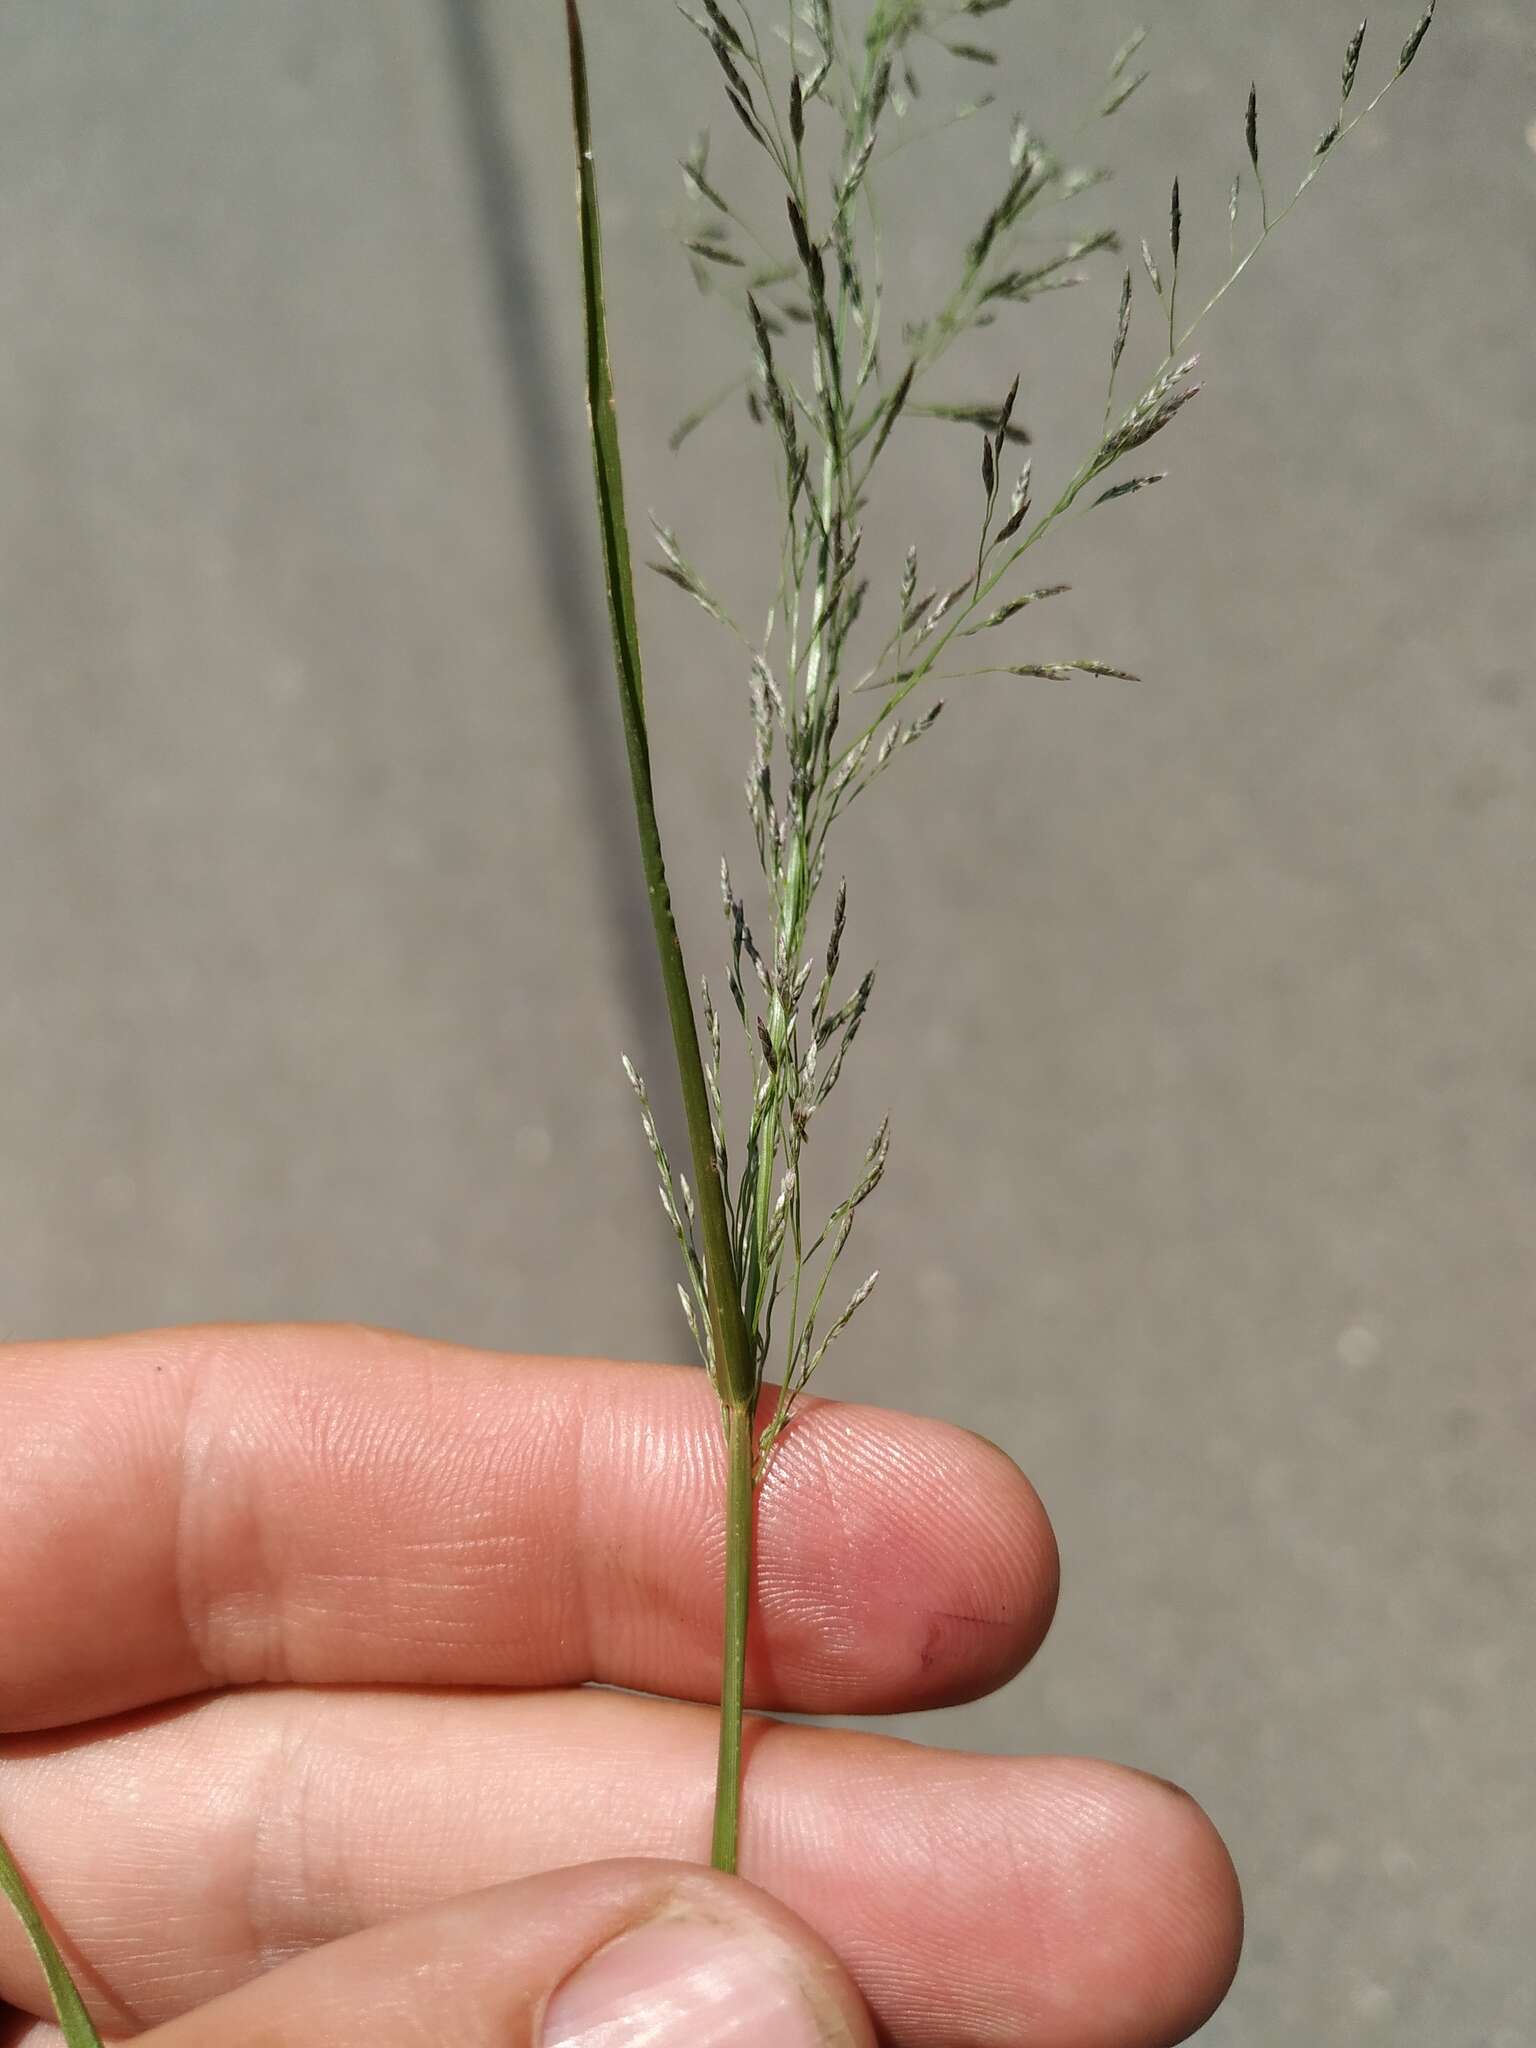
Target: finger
column 602, row 1957
column 977, row 1900
column 21, row 2030
column 201, row 1507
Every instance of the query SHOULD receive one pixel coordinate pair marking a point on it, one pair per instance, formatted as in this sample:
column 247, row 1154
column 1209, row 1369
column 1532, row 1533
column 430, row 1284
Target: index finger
column 244, row 1504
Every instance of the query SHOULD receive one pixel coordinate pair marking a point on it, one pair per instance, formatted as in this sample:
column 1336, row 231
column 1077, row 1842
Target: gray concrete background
column 1206, row 1009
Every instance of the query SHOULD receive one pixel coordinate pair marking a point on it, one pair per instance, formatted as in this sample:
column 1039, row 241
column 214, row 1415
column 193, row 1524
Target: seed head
column 1122, row 327
column 1411, row 47
column 1352, row 62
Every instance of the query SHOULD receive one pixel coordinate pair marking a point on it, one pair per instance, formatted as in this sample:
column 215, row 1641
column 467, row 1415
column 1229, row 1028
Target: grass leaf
column 74, row 2020
column 732, row 1346
column 730, row 1343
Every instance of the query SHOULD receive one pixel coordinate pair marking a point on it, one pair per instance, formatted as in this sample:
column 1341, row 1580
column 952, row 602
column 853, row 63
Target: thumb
column 606, row 1955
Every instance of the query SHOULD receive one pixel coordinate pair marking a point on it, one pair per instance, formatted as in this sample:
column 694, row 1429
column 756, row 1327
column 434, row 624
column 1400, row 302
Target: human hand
column 303, row 1627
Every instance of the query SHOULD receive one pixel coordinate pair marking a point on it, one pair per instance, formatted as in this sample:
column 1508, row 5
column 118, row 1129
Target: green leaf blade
column 74, row 2020
column 733, row 1349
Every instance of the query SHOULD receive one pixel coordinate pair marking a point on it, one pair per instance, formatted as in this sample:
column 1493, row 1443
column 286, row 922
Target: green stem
column 739, row 1501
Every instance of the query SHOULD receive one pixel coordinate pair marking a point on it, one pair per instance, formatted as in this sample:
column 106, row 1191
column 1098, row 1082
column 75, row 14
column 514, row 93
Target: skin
column 302, row 1626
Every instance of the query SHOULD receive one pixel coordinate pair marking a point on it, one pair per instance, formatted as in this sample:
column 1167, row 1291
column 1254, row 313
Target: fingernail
column 688, row 1983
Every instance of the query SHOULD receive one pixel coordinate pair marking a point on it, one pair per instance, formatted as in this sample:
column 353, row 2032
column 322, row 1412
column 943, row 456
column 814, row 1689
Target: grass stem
column 739, row 1502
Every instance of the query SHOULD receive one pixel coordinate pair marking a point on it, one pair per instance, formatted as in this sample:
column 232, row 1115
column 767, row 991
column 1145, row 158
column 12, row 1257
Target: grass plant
column 833, row 680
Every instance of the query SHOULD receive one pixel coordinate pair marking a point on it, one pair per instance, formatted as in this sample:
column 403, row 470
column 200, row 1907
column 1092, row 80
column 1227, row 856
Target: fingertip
column 1023, row 1540
column 1168, row 1884
column 715, row 1960
column 923, row 1544
column 1204, row 1899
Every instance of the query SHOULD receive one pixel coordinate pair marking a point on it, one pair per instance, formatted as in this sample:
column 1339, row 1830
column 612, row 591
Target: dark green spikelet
column 880, row 93
column 1122, row 330
column 1175, row 241
column 853, row 177
column 1063, row 671
column 893, row 412
column 724, row 26
column 909, row 581
column 727, row 63
column 1012, row 608
column 1122, row 92
column 1251, row 135
column 1005, row 416
column 742, row 110
column 797, row 227
column 1104, row 668
column 714, row 252
column 1352, row 62
column 1014, row 521
column 778, row 401
column 1411, row 47
column 1130, row 486
column 1002, row 215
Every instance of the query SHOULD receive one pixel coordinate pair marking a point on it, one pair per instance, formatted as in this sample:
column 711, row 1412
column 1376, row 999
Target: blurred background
column 1206, row 1008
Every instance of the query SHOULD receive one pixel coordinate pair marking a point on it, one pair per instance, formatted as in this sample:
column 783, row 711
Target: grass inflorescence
column 847, row 646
